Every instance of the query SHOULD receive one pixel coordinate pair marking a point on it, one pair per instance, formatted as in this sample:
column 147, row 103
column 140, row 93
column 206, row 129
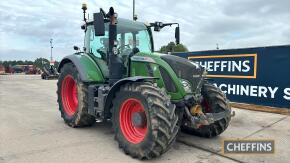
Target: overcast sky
column 26, row 26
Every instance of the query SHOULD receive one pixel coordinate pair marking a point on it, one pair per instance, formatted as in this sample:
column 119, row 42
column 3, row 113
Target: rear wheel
column 72, row 98
column 144, row 120
column 214, row 101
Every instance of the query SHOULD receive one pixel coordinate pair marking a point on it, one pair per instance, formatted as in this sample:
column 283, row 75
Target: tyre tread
column 163, row 120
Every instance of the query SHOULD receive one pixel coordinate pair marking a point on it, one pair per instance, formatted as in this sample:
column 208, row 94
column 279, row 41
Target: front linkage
column 195, row 113
column 208, row 112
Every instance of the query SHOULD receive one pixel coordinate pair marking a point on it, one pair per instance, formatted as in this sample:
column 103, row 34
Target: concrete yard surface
column 31, row 130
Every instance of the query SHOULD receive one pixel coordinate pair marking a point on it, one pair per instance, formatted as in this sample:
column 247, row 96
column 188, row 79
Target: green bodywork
column 94, row 68
column 92, row 71
column 86, row 64
column 94, row 74
column 139, row 69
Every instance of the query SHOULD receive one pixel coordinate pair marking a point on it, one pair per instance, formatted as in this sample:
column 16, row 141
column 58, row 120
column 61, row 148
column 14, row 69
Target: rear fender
column 87, row 68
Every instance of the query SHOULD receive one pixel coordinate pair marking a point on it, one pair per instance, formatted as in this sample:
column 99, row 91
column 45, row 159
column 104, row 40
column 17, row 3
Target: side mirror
column 177, row 35
column 99, row 24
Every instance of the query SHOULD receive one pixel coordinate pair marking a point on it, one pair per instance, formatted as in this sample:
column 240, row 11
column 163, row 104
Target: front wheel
column 144, row 120
column 214, row 101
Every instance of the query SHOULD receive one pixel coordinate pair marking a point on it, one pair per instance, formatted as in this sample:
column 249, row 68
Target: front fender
column 87, row 68
column 117, row 86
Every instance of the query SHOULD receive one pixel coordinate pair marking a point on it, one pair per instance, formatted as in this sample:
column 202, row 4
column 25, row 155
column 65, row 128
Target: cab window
column 99, row 45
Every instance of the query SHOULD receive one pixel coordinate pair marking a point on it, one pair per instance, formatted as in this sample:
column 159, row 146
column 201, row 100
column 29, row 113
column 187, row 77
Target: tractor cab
column 113, row 41
column 129, row 35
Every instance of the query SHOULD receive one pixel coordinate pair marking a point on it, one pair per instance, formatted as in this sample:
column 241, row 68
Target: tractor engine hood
column 185, row 70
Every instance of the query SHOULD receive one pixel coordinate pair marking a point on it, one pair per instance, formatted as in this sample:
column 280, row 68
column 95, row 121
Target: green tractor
column 149, row 97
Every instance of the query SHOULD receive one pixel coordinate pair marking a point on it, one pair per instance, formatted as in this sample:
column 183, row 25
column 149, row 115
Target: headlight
column 186, row 85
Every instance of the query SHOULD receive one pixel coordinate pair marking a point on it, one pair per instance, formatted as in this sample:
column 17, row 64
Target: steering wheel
column 102, row 52
column 125, row 52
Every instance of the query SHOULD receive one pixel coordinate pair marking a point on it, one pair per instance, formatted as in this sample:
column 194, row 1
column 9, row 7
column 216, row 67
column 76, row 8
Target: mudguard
column 88, row 70
column 116, row 87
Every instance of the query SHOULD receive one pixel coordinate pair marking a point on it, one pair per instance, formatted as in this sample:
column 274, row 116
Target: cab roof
column 125, row 25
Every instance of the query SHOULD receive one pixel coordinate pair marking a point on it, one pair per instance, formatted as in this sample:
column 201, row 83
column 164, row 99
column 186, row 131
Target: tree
column 180, row 48
column 40, row 62
column 56, row 64
column 172, row 47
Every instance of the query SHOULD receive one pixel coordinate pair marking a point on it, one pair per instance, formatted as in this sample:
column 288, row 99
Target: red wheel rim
column 69, row 95
column 132, row 133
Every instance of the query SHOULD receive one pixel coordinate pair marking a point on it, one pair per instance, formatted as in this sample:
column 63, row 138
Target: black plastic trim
column 75, row 60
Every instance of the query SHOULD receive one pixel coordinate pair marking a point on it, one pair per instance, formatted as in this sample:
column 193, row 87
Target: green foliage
column 13, row 63
column 172, row 47
column 180, row 48
column 39, row 62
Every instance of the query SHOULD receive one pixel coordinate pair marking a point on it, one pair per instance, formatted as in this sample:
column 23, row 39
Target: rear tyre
column 214, row 101
column 156, row 127
column 72, row 98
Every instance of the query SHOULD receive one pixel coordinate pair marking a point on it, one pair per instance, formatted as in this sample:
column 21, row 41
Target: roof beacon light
column 84, row 8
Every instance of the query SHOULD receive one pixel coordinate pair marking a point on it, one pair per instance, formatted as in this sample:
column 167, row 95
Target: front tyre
column 144, row 120
column 72, row 98
column 214, row 101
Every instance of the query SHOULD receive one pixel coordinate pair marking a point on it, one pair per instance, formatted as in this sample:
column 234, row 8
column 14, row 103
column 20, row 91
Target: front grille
column 184, row 69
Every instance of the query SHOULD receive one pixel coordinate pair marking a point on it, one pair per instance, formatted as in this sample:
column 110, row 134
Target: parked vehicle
column 146, row 95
